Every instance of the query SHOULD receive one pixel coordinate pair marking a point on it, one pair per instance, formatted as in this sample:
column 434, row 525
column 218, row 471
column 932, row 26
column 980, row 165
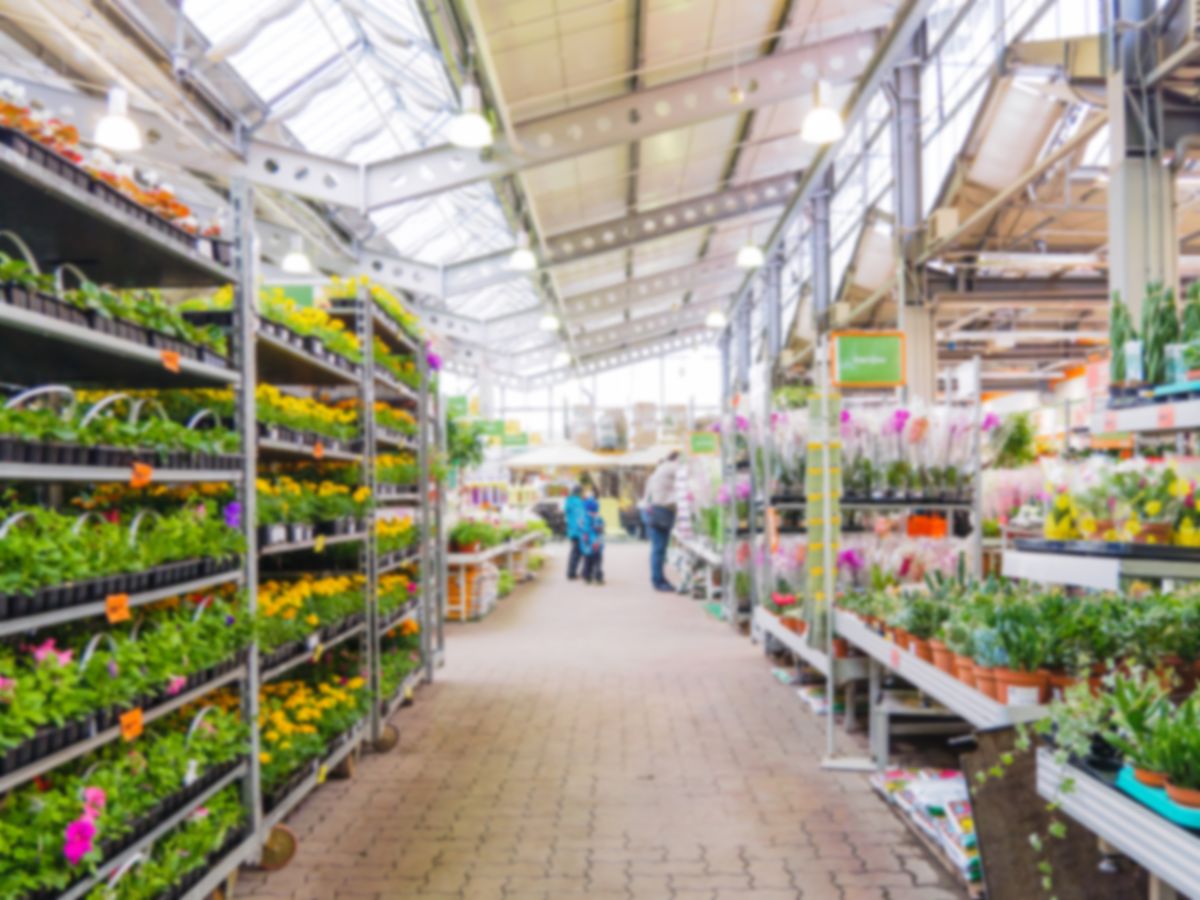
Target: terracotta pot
column 943, row 657
column 1154, row 533
column 473, row 547
column 921, row 649
column 903, row 639
column 964, row 669
column 1059, row 682
column 1020, row 688
column 841, row 648
column 890, row 633
column 985, row 681
column 1189, row 797
column 1103, row 526
column 1150, row 779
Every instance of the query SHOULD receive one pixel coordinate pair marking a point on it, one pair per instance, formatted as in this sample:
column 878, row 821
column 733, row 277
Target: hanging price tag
column 408, row 692
column 141, row 475
column 322, row 773
column 318, row 450
column 192, row 774
column 318, row 652
column 313, row 641
column 131, row 724
column 1166, row 416
column 116, row 608
column 894, row 658
column 170, row 360
column 319, row 544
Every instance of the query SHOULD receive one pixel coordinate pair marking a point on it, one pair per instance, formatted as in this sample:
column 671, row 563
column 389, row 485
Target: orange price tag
column 131, row 724
column 1166, row 416
column 141, row 475
column 116, row 608
column 894, row 658
column 170, row 360
column 318, row 450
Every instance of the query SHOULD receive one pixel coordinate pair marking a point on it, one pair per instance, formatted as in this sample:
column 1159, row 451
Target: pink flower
column 42, row 651
column 175, row 685
column 7, row 684
column 94, row 799
column 990, row 421
column 742, row 423
column 723, row 495
column 79, row 837
column 412, row 587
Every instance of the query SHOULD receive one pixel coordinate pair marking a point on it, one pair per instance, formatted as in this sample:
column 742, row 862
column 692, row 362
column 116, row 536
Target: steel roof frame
column 627, row 231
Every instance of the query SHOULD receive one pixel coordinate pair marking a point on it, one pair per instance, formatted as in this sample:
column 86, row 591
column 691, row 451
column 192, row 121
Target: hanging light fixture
column 715, row 320
column 470, row 129
column 115, row 130
column 823, row 124
column 296, row 261
column 562, row 358
column 549, row 322
column 522, row 258
column 750, row 256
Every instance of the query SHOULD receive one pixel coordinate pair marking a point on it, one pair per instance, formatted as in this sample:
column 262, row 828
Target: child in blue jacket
column 592, row 543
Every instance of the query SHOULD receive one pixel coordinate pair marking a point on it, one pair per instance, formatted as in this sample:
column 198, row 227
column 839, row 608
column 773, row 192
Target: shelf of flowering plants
column 15, row 471
column 978, row 709
column 96, row 596
column 385, row 378
column 395, row 439
column 407, row 611
column 398, row 558
column 66, row 214
column 319, row 449
column 847, row 669
column 397, row 493
column 1167, row 851
column 383, row 326
column 142, row 846
column 114, row 732
column 285, row 357
column 314, row 775
column 217, row 874
column 312, row 541
column 39, row 348
column 1098, row 564
column 316, row 645
column 404, row 694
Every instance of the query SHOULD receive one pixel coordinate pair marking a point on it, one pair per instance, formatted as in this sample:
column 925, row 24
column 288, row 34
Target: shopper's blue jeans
column 659, row 538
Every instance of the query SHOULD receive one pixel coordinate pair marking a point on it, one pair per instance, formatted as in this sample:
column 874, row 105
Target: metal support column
column 440, row 573
column 1142, row 244
column 245, row 265
column 423, row 488
column 821, row 248
column 365, row 321
column 915, row 320
column 729, row 510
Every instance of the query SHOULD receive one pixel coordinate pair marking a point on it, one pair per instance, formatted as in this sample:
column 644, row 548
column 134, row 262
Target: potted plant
column 468, row 535
column 1178, row 749
column 1140, row 725
column 1020, row 680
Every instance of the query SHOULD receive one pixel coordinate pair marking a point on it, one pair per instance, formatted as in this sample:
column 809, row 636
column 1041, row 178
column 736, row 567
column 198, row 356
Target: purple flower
column 433, row 361
column 233, row 515
column 852, row 560
column 113, row 669
column 79, row 836
column 844, row 418
column 990, row 421
column 229, row 620
column 742, row 423
column 742, row 489
column 899, row 419
column 715, row 427
column 722, row 495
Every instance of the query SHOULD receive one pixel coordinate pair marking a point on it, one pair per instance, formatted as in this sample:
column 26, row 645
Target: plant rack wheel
column 278, row 849
column 388, row 739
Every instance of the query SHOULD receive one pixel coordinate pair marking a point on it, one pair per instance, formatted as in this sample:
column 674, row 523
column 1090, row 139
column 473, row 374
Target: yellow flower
column 264, row 758
column 313, row 619
column 1062, row 502
column 1154, row 507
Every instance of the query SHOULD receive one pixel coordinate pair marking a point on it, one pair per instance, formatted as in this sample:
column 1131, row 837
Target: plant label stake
column 141, row 475
column 170, row 360
column 322, row 773
column 192, row 774
column 319, row 544
column 116, row 608
column 131, row 724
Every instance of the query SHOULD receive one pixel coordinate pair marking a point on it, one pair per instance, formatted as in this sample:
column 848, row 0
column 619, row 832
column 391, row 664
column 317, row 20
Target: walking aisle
column 604, row 742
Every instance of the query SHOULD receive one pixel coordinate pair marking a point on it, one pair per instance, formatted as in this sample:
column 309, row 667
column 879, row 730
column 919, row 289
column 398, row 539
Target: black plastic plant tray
column 1108, row 550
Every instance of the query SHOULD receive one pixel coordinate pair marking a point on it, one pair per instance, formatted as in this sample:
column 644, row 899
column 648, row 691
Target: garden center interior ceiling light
column 823, row 124
column 115, row 130
column 522, row 259
column 715, row 320
column 549, row 322
column 470, row 129
column 296, row 262
column 561, row 358
column 750, row 257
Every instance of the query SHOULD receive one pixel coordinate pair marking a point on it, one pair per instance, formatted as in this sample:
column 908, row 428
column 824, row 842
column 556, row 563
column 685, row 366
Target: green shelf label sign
column 493, row 427
column 868, row 358
column 456, row 405
column 516, row 440
column 704, row 443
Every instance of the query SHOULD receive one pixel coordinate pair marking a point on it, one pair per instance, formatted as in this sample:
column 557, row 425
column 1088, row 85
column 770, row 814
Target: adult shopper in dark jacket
column 659, row 502
column 576, row 517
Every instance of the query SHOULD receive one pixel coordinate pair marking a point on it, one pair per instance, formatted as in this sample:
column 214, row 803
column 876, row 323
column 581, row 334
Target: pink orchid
column 175, row 685
column 990, row 421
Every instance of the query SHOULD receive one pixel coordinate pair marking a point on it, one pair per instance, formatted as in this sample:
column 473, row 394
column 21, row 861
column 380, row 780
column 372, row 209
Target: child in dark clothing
column 592, row 543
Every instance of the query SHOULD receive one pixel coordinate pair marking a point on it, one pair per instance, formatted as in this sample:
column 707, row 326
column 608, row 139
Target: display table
column 471, row 577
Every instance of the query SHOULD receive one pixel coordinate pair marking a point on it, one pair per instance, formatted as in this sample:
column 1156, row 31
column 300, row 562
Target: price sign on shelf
column 894, row 658
column 319, row 544
column 322, row 773
column 1165, row 416
column 116, row 608
column 131, row 724
column 1110, row 421
column 318, row 450
column 170, row 360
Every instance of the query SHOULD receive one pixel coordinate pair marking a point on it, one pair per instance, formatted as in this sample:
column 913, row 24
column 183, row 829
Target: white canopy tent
column 559, row 456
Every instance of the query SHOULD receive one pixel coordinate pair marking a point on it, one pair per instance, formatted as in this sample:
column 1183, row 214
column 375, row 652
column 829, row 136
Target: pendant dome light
column 750, row 256
column 296, row 262
column 715, row 320
column 548, row 322
column 115, row 130
column 823, row 124
column 470, row 129
column 522, row 258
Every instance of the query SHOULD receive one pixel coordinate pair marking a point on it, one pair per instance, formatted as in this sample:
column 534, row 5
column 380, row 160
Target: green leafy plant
column 1120, row 331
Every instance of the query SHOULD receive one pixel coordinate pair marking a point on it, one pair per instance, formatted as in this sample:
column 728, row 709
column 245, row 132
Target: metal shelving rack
column 38, row 348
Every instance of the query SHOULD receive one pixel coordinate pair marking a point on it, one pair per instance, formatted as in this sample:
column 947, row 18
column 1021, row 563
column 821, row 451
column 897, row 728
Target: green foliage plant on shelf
column 1012, row 443
column 504, row 583
column 397, row 468
column 299, row 718
column 46, row 850
column 1160, row 327
column 1120, row 331
column 464, row 441
column 469, row 534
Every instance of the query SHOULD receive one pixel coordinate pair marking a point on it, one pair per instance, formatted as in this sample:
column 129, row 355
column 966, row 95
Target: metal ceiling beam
column 640, row 329
column 581, row 243
column 648, row 349
column 702, row 273
column 621, row 120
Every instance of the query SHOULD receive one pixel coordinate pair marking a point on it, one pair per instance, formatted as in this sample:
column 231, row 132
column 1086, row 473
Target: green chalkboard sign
column 493, row 427
column 456, row 406
column 704, row 443
column 516, row 440
column 868, row 358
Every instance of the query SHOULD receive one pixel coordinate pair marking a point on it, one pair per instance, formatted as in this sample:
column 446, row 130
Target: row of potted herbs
column 139, row 316
column 1022, row 645
column 62, row 826
column 74, row 682
column 51, row 560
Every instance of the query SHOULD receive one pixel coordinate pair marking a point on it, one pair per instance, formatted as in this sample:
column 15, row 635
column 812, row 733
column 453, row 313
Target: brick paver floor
column 602, row 742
